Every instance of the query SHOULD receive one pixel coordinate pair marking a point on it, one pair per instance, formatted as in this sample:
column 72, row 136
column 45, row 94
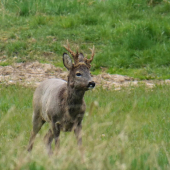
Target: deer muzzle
column 91, row 85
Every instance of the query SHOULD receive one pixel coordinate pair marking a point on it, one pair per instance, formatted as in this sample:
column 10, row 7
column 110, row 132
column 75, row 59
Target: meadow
column 126, row 129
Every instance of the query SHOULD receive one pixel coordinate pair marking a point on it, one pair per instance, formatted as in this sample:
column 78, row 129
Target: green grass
column 129, row 35
column 126, row 129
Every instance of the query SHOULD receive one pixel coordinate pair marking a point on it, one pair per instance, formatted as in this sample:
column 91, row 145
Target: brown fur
column 61, row 103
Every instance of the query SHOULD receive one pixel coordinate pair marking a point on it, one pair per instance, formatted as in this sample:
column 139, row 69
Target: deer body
column 61, row 103
column 51, row 101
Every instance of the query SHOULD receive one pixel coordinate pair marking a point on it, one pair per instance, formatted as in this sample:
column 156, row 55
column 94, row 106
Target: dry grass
column 126, row 129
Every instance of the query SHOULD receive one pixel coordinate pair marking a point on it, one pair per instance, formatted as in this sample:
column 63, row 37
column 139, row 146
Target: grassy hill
column 131, row 37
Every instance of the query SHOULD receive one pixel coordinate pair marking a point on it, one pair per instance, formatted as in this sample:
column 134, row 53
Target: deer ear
column 67, row 61
column 81, row 57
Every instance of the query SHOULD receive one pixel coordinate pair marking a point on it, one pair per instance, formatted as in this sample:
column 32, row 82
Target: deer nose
column 91, row 85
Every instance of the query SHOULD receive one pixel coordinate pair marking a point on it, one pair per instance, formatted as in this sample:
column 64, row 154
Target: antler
column 74, row 55
column 88, row 61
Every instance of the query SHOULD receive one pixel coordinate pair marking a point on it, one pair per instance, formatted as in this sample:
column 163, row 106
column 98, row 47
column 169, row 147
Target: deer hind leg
column 37, row 124
column 56, row 134
column 48, row 140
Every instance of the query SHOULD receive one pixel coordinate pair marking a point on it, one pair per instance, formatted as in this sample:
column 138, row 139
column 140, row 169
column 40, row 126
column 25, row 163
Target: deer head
column 79, row 72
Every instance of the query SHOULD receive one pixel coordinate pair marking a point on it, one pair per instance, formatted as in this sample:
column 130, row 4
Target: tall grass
column 127, row 34
column 126, row 129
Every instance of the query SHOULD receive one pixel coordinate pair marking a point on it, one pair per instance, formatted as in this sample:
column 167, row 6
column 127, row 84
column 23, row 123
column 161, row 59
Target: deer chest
column 67, row 126
column 69, row 123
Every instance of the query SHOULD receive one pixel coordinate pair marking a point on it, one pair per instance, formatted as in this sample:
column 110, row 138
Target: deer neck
column 74, row 101
column 75, row 96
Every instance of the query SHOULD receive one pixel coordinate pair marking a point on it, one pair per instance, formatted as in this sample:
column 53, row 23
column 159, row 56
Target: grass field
column 122, row 130
column 131, row 37
column 126, row 129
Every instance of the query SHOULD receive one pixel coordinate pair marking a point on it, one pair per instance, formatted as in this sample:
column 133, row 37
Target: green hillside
column 131, row 37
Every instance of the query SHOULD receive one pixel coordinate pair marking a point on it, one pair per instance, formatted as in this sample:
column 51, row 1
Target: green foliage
column 16, row 47
column 32, row 166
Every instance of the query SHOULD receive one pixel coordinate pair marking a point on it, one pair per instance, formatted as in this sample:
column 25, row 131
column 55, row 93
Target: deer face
column 79, row 76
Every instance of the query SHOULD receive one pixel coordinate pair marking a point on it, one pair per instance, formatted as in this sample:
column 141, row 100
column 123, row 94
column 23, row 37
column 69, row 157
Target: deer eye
column 78, row 74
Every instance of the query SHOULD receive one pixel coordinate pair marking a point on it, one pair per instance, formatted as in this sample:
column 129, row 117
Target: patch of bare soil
column 31, row 74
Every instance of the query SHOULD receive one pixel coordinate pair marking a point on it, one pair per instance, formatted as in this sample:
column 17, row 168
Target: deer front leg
column 78, row 134
column 56, row 134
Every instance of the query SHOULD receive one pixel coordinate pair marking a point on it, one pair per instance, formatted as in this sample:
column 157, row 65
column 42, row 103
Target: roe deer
column 61, row 103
